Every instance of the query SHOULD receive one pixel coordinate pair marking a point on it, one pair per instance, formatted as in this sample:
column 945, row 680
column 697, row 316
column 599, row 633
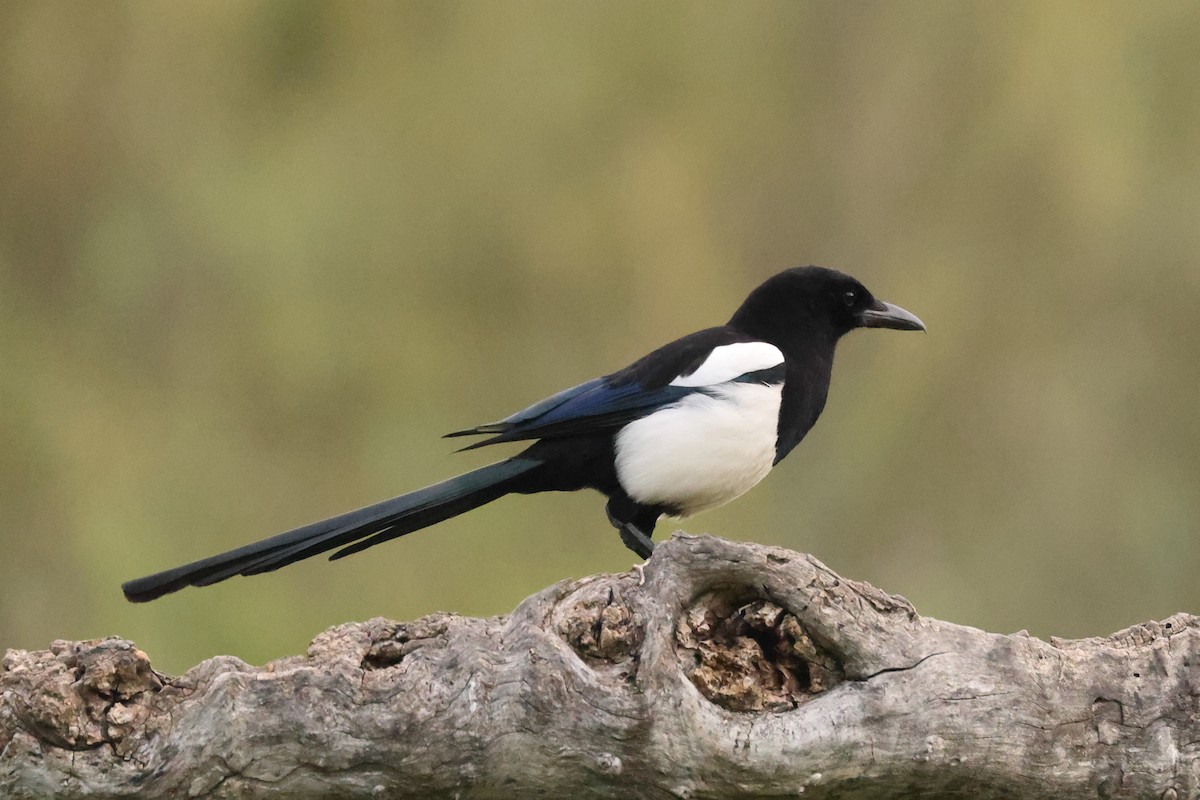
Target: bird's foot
column 640, row 569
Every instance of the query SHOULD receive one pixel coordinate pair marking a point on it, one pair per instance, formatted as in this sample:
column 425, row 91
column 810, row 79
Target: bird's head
column 807, row 302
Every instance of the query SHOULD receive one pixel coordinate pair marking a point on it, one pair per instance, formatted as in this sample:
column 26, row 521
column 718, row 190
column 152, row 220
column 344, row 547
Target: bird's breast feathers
column 712, row 445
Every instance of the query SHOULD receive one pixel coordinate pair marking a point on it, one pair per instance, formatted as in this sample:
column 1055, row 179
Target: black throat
column 808, row 344
column 804, row 392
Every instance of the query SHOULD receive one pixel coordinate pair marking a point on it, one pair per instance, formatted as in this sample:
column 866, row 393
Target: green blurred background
column 256, row 257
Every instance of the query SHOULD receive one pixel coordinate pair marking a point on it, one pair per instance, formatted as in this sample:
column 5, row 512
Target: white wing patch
column 730, row 361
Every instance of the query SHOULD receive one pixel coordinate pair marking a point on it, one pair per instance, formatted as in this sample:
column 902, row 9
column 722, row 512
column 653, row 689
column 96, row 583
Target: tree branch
column 735, row 670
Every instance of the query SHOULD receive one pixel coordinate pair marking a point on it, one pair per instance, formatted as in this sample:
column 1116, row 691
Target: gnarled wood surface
column 734, row 670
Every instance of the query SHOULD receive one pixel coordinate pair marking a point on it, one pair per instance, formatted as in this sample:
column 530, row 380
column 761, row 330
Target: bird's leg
column 632, row 534
column 636, row 541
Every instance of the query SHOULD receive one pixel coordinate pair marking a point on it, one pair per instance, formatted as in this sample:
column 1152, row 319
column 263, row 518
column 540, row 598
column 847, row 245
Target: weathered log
column 733, row 670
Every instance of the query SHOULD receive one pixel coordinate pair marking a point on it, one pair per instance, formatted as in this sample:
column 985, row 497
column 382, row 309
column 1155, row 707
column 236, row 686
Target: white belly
column 703, row 451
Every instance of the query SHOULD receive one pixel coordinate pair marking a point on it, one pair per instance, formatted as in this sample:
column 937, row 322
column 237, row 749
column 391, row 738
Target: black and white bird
column 688, row 427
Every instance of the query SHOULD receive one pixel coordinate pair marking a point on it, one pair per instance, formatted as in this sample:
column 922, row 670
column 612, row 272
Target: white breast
column 703, row 451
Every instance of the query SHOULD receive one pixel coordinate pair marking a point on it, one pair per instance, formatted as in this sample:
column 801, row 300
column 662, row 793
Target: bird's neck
column 805, row 389
column 800, row 332
column 808, row 350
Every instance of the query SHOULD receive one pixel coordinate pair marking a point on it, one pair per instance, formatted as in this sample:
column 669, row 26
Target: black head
column 809, row 303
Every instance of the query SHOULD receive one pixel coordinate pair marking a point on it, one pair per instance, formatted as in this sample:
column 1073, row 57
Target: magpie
column 688, row 427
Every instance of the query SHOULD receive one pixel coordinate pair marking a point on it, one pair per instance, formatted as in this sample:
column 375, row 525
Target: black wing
column 607, row 403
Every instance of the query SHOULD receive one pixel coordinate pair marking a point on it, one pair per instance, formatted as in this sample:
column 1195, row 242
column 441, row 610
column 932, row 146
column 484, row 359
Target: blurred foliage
column 255, row 257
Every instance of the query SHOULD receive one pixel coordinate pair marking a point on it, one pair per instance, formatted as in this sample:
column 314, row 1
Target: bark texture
column 734, row 670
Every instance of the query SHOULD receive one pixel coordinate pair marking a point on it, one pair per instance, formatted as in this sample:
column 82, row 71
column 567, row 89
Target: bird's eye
column 849, row 298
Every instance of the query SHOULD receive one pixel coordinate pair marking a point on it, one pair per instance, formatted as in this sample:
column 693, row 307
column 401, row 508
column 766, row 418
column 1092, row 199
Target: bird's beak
column 886, row 315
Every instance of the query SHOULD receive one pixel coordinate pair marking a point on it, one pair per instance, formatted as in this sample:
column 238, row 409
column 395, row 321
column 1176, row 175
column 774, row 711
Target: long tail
column 353, row 531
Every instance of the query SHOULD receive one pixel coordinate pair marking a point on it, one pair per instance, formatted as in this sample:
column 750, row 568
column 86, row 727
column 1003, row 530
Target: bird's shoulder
column 704, row 358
